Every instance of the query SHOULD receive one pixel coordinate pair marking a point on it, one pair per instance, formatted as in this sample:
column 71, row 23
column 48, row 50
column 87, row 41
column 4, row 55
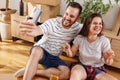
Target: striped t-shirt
column 54, row 35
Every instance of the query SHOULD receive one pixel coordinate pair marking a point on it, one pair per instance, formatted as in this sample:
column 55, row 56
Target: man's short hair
column 75, row 5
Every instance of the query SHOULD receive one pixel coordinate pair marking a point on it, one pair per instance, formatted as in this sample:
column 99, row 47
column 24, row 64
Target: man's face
column 70, row 17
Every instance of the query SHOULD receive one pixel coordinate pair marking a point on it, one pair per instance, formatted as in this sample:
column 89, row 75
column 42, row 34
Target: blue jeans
column 48, row 60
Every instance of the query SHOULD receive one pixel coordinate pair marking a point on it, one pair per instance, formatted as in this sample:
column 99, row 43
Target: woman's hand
column 108, row 56
column 67, row 49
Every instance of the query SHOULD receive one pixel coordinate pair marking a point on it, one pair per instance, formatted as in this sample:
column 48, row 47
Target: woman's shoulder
column 79, row 36
column 104, row 38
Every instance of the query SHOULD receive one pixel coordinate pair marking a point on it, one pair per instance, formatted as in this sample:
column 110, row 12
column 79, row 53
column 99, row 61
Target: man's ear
column 78, row 18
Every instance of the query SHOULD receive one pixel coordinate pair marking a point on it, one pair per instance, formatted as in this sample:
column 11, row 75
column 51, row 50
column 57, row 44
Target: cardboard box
column 47, row 11
column 46, row 2
column 15, row 30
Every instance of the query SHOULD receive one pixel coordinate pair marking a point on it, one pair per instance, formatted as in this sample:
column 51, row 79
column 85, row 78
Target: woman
column 94, row 51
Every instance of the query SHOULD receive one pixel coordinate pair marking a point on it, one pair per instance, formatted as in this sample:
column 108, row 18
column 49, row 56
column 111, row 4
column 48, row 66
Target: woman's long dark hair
column 86, row 26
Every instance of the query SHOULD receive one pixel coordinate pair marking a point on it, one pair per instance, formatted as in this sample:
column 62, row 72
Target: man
column 55, row 32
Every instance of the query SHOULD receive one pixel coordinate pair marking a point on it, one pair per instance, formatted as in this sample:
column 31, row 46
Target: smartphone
column 36, row 12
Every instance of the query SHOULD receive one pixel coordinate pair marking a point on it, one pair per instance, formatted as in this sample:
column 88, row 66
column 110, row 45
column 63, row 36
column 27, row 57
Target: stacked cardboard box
column 46, row 2
column 50, row 8
column 114, row 37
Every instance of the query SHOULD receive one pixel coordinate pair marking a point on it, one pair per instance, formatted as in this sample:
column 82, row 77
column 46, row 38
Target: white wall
column 109, row 18
column 13, row 4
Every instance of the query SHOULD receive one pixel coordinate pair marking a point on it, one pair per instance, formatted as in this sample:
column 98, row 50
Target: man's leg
column 33, row 61
column 31, row 66
column 62, row 72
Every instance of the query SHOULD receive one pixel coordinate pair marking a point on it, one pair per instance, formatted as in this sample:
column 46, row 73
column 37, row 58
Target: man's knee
column 37, row 53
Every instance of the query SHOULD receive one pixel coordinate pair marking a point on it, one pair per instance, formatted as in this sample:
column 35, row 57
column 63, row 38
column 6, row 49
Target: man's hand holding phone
column 29, row 27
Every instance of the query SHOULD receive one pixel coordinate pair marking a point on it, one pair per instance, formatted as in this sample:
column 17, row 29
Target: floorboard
column 14, row 55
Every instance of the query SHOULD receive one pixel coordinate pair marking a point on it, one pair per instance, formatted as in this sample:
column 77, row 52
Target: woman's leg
column 104, row 76
column 78, row 73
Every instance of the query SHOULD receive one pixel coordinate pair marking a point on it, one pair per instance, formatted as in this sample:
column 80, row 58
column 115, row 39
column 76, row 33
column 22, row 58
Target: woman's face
column 95, row 26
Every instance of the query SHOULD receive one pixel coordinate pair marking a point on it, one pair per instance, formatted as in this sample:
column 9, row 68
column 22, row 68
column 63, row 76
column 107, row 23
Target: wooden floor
column 14, row 55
